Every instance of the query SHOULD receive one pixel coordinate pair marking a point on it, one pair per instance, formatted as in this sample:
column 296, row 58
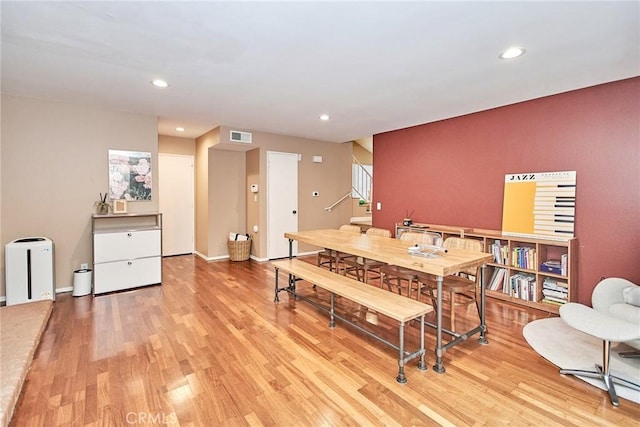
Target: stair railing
column 340, row 200
column 362, row 181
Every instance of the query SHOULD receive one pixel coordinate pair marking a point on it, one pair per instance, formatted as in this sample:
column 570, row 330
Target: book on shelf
column 551, row 266
column 554, row 300
column 523, row 286
column 497, row 281
column 555, row 294
column 500, row 252
column 523, row 257
column 555, row 291
column 554, row 284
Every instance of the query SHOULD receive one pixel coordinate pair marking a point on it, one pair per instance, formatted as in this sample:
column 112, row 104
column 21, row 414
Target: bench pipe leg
column 421, row 363
column 332, row 321
column 401, row 378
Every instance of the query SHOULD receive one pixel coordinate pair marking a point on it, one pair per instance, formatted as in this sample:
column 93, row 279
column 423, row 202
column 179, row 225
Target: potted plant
column 102, row 206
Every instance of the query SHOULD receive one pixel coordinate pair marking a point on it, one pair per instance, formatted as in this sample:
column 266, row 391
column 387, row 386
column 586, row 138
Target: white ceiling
column 275, row 67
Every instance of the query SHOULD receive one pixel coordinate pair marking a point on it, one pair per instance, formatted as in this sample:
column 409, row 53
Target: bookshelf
column 544, row 271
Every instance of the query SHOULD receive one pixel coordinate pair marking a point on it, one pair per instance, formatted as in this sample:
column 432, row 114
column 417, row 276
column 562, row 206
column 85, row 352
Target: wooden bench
column 397, row 307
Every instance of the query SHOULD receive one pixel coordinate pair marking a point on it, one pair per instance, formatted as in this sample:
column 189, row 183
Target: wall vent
column 238, row 136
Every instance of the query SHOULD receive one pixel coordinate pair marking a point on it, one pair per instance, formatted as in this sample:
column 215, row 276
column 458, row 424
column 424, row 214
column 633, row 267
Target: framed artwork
column 129, row 175
column 539, row 205
column 119, row 206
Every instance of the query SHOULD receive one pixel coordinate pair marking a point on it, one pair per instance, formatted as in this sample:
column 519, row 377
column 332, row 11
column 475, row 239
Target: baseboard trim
column 3, row 299
column 252, row 257
column 308, row 253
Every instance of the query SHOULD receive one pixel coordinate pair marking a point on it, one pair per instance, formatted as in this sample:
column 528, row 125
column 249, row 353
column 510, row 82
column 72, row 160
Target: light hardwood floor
column 209, row 347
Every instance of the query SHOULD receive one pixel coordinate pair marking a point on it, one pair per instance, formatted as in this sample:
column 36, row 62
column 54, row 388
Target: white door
column 176, row 191
column 282, row 202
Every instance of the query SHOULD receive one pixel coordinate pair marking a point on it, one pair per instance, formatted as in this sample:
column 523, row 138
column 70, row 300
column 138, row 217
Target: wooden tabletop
column 391, row 251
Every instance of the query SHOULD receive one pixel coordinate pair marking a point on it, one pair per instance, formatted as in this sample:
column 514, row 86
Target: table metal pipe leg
column 439, row 366
column 483, row 300
column 401, row 378
column 292, row 280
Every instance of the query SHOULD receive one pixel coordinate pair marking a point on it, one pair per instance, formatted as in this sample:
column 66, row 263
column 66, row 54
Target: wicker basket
column 239, row 250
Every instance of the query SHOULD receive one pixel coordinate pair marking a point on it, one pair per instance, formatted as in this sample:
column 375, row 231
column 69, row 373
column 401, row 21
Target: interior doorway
column 282, row 202
column 176, row 191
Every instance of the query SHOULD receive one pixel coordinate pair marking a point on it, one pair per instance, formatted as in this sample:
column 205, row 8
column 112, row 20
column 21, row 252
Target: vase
column 103, row 209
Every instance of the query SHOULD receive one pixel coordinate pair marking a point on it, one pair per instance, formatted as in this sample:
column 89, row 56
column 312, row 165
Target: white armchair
column 619, row 298
column 615, row 317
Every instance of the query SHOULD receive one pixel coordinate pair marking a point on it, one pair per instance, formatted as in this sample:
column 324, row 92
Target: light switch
column 379, row 206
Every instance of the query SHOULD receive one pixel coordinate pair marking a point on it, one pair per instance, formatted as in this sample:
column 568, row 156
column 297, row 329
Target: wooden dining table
column 395, row 252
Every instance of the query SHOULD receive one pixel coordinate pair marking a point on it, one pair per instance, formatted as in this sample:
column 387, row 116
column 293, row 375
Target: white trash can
column 81, row 282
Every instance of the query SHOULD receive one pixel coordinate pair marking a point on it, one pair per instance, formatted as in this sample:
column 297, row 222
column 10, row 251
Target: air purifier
column 29, row 270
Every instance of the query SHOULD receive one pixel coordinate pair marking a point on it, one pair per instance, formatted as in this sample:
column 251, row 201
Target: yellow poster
column 540, row 205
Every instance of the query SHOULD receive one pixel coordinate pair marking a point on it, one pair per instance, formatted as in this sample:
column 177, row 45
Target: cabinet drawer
column 114, row 276
column 126, row 245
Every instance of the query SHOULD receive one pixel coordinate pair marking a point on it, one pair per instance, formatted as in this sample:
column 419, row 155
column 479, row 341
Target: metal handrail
column 356, row 188
column 338, row 202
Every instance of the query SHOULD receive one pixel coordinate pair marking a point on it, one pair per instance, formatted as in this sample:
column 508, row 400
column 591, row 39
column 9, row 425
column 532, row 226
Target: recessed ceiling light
column 512, row 52
column 180, row 129
column 159, row 83
column 324, row 117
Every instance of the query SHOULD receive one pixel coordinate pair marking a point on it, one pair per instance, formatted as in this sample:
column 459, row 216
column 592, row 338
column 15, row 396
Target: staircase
column 362, row 183
column 361, row 186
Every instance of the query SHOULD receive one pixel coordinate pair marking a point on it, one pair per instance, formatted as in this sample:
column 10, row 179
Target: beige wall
column 227, row 205
column 253, row 200
column 176, row 145
column 2, row 242
column 364, row 156
column 245, row 164
column 331, row 179
column 54, row 165
column 203, row 143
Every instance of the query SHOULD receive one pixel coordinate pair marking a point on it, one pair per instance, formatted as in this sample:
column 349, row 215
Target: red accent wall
column 452, row 172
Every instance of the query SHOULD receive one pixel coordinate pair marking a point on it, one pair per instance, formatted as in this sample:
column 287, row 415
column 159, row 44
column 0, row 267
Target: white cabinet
column 127, row 251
